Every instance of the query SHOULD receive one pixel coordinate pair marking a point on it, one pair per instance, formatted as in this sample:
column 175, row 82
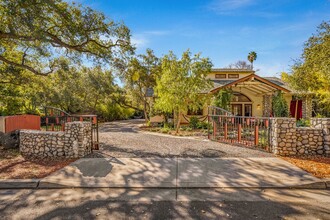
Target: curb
column 19, row 183
column 38, row 184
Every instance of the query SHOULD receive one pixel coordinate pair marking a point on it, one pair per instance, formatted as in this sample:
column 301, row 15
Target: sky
column 223, row 30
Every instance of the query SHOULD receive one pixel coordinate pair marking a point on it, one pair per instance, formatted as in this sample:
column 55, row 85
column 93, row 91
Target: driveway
column 125, row 139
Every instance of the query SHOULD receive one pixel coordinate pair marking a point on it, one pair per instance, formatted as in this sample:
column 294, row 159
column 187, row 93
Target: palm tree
column 252, row 57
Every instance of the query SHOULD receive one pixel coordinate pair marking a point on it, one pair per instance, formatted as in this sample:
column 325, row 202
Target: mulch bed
column 316, row 165
column 14, row 166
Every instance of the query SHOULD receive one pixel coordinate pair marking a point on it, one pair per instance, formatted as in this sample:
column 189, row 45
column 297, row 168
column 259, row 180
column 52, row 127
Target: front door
column 236, row 109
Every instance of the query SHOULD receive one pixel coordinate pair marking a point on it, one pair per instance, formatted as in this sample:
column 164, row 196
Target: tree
column 36, row 35
column 252, row 56
column 240, row 65
column 140, row 76
column 279, row 105
column 311, row 73
column 181, row 83
column 223, row 99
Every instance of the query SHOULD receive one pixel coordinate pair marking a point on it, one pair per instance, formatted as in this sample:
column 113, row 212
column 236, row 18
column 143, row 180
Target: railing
column 213, row 110
column 55, row 119
column 248, row 131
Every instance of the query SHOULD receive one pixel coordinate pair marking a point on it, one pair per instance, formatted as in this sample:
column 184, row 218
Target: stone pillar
column 324, row 124
column 307, row 106
column 78, row 139
column 267, row 105
column 283, row 136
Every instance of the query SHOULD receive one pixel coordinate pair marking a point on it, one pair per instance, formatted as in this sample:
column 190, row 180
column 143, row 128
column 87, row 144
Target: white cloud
column 139, row 41
column 143, row 39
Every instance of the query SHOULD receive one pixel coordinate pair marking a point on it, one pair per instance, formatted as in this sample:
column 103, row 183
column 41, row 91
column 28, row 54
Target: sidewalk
column 181, row 173
column 175, row 173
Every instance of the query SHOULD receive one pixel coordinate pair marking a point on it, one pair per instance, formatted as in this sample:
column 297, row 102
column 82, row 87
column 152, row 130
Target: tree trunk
column 145, row 111
column 178, row 123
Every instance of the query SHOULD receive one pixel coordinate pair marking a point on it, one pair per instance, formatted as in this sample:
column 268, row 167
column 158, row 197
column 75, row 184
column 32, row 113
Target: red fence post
column 214, row 129
column 256, row 135
column 226, row 131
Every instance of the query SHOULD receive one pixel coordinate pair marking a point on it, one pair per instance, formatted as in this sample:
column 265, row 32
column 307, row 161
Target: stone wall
column 309, row 141
column 324, row 124
column 283, row 136
column 74, row 142
column 288, row 140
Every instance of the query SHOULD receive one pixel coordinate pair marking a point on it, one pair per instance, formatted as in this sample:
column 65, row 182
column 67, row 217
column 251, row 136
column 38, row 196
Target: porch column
column 267, row 105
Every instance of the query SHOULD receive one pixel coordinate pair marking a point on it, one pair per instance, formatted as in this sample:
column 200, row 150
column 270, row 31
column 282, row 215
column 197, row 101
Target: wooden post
column 226, row 131
column 256, row 135
column 214, row 129
column 52, row 126
column 208, row 127
column 239, row 133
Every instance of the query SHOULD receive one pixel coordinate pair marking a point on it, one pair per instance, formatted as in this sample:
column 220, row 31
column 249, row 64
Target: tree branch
column 22, row 65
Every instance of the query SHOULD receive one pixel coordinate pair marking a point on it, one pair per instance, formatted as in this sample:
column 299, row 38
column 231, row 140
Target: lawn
column 14, row 166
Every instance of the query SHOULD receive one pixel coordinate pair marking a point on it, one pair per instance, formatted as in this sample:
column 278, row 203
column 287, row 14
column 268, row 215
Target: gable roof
column 264, row 84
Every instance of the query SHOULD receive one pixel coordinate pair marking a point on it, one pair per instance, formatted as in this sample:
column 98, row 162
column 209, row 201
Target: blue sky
column 223, row 30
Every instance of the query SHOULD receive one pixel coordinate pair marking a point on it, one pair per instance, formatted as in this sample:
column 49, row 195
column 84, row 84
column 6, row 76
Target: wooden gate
column 18, row 122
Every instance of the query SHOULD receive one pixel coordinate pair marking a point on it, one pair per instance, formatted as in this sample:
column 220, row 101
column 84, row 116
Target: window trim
column 233, row 76
column 221, row 76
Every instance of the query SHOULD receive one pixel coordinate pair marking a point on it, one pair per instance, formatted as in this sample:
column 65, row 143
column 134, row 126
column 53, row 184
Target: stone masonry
column 283, row 136
column 324, row 124
column 74, row 142
column 288, row 140
column 309, row 141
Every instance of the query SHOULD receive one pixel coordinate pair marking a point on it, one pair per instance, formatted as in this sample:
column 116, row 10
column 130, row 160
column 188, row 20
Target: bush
column 193, row 123
column 168, row 125
column 303, row 123
column 165, row 130
column 202, row 125
column 113, row 111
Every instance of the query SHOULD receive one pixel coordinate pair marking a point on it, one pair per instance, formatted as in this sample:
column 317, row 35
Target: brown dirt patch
column 14, row 166
column 316, row 165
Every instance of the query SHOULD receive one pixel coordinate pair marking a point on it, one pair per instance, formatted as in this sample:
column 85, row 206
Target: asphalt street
column 165, row 204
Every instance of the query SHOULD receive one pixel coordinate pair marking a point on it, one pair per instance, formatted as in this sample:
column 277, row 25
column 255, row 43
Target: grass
column 14, row 166
column 317, row 165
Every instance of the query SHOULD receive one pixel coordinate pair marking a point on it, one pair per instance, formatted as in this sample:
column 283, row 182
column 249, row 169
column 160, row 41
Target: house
column 252, row 94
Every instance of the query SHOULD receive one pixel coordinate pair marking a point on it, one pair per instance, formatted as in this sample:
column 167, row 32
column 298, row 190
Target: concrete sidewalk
column 181, row 173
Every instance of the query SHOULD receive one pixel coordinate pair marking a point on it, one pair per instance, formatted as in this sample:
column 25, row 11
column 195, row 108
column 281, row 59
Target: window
column 233, row 76
column 239, row 97
column 197, row 112
column 220, row 76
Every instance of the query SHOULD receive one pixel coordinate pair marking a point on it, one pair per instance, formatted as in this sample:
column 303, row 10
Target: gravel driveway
column 125, row 139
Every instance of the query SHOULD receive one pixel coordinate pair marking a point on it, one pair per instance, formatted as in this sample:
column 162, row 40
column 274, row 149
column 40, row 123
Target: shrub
column 193, row 123
column 202, row 125
column 303, row 123
column 165, row 130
